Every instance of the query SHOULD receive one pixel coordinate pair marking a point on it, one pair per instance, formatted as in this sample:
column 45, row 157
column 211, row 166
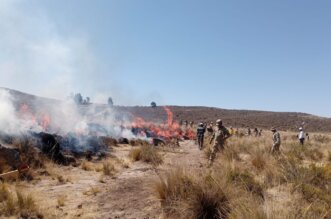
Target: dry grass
column 4, row 192
column 208, row 195
column 28, row 152
column 61, row 200
column 244, row 173
column 245, row 180
column 135, row 154
column 139, row 142
column 183, row 196
column 108, row 168
column 87, row 166
column 92, row 191
column 259, row 161
column 321, row 138
column 125, row 163
column 17, row 203
column 146, row 153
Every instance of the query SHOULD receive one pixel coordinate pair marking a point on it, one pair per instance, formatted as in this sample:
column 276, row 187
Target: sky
column 257, row 54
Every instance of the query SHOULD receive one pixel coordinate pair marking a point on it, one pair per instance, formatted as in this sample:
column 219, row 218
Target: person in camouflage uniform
column 276, row 141
column 219, row 137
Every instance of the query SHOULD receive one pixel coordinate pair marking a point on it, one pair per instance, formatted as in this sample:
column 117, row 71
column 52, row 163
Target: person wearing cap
column 276, row 141
column 301, row 136
column 200, row 135
column 219, row 137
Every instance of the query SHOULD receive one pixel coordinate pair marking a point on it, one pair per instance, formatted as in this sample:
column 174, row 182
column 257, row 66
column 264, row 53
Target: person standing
column 249, row 132
column 256, row 132
column 301, row 136
column 201, row 135
column 276, row 141
column 219, row 137
column 231, row 131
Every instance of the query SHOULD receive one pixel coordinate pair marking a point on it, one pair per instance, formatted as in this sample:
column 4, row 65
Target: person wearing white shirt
column 301, row 136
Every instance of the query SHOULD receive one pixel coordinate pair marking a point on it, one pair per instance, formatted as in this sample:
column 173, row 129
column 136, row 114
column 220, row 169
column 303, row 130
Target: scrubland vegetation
column 247, row 181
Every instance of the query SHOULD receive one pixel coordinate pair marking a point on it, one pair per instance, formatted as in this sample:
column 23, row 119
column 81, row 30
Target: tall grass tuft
column 146, row 153
column 185, row 196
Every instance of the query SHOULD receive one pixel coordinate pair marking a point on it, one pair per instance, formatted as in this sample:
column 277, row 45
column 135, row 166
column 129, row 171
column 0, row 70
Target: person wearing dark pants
column 301, row 136
column 200, row 135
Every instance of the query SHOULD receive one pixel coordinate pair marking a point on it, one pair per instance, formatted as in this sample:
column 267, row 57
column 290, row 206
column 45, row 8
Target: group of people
column 221, row 134
column 218, row 137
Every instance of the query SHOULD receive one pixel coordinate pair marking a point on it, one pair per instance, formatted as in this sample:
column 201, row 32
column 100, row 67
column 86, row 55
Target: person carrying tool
column 276, row 141
column 200, row 135
column 219, row 137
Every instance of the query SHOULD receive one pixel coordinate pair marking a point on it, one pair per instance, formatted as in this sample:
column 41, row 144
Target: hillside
column 236, row 118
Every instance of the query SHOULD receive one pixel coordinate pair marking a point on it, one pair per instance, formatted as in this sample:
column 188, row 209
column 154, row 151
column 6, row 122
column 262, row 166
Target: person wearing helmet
column 219, row 137
column 200, row 134
column 301, row 136
column 276, row 140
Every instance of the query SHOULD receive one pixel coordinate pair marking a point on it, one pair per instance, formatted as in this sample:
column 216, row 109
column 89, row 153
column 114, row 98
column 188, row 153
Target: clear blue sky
column 262, row 55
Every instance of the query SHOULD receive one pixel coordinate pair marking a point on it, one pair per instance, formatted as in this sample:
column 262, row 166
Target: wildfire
column 170, row 129
column 139, row 127
column 45, row 121
column 38, row 119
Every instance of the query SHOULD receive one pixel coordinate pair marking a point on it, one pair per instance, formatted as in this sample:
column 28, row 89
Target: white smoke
column 8, row 121
column 36, row 57
column 63, row 117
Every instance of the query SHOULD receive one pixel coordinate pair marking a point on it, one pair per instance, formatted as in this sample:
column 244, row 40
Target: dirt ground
column 127, row 194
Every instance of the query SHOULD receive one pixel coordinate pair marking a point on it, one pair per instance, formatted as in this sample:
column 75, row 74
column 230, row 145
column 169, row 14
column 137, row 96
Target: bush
column 19, row 204
column 185, row 196
column 135, row 154
column 4, row 192
column 146, row 153
column 87, row 166
column 108, row 168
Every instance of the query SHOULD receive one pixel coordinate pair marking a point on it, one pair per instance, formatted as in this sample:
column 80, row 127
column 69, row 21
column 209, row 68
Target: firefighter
column 276, row 141
column 219, row 137
column 200, row 135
